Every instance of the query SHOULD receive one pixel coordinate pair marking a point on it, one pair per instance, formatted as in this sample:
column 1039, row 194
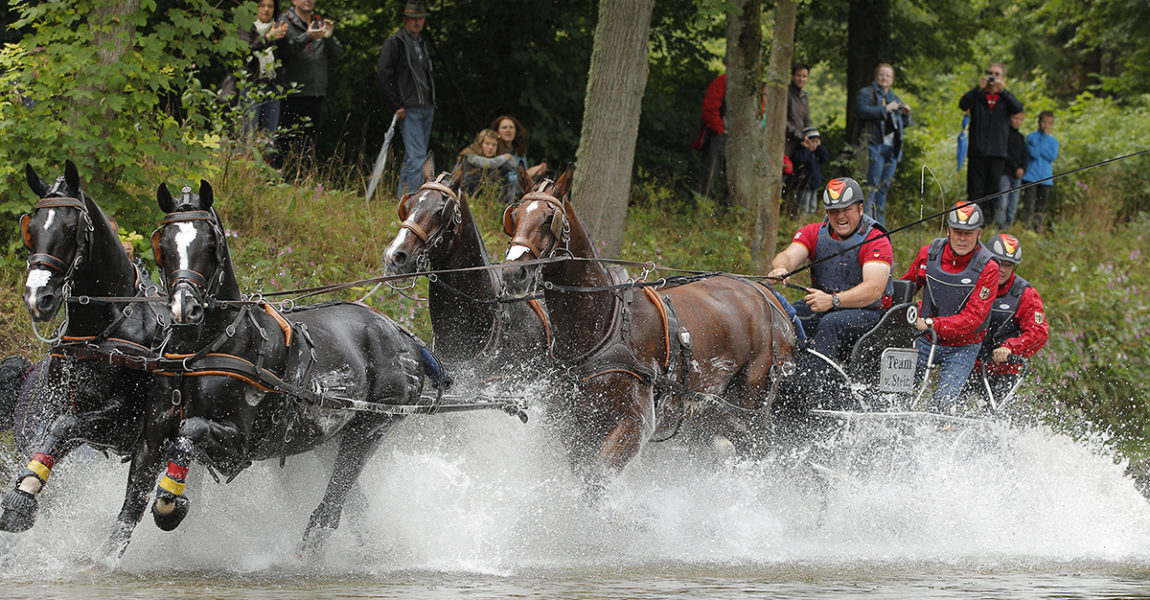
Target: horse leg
column 141, row 476
column 353, row 454
column 220, row 441
column 621, row 445
column 20, row 504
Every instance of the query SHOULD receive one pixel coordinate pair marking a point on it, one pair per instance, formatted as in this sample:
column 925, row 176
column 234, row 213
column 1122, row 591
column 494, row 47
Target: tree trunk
column 746, row 170
column 615, row 83
column 764, row 237
column 868, row 44
column 113, row 35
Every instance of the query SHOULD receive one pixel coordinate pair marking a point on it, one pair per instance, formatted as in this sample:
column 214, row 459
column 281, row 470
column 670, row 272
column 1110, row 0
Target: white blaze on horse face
column 184, row 238
column 37, row 280
column 516, row 251
column 396, row 244
column 51, row 217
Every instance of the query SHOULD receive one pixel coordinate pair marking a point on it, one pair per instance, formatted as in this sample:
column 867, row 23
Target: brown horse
column 641, row 360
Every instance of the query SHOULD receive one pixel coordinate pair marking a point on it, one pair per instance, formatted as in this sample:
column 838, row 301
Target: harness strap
column 415, row 228
column 43, row 259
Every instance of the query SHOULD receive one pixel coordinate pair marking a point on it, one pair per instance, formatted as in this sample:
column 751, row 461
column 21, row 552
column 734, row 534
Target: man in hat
column 958, row 276
column 1017, row 326
column 405, row 76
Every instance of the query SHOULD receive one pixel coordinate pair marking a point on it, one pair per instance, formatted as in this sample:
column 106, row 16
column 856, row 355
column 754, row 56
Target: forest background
column 127, row 90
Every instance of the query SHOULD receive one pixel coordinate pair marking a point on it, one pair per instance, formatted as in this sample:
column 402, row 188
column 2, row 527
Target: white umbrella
column 377, row 170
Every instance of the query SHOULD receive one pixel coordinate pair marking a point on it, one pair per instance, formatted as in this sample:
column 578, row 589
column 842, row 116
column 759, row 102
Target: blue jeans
column 833, row 333
column 416, row 128
column 1007, row 203
column 956, row 363
column 878, row 178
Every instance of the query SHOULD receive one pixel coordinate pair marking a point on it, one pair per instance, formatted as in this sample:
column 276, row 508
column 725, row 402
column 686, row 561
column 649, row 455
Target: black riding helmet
column 841, row 193
column 1006, row 248
column 965, row 216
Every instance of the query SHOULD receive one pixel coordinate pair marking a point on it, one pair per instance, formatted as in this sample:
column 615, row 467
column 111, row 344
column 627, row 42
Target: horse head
column 539, row 228
column 432, row 222
column 58, row 234
column 190, row 251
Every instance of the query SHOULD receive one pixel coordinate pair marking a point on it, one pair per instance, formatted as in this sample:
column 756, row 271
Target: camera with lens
column 990, row 78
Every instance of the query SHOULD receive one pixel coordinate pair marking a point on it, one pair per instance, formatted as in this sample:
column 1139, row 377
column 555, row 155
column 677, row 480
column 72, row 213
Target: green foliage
column 113, row 87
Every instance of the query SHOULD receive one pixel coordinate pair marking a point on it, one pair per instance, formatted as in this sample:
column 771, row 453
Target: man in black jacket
column 406, row 79
column 308, row 47
column 990, row 106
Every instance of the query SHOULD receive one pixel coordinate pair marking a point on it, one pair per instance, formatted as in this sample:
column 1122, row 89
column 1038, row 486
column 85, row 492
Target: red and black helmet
column 1005, row 248
column 842, row 192
column 965, row 216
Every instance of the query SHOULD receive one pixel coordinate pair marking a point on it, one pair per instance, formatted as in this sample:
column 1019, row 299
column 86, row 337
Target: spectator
column 513, row 140
column 309, row 47
column 405, row 74
column 1017, row 324
column 263, row 77
column 1041, row 150
column 713, row 138
column 810, row 155
column 883, row 119
column 1016, row 160
column 990, row 106
column 798, row 107
column 959, row 276
column 481, row 166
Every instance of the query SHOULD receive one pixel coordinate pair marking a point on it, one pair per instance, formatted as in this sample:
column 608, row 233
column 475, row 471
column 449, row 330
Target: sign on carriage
column 897, row 371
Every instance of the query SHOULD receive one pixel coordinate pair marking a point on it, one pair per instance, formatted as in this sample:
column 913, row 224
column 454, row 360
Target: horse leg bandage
column 36, row 474
column 174, row 481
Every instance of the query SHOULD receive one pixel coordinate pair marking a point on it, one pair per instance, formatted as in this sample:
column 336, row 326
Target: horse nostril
column 46, row 302
column 195, row 313
column 399, row 258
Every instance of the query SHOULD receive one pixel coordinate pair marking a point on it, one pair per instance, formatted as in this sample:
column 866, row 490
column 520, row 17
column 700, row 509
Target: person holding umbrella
column 405, row 75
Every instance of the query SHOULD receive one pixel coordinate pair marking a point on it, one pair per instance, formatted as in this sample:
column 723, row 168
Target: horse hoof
column 172, row 518
column 19, row 511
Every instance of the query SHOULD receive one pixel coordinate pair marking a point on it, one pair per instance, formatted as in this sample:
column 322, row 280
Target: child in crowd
column 1016, row 160
column 479, row 159
column 808, row 158
column 1042, row 150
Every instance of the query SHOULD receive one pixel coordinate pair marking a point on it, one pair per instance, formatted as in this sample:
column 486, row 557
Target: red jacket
column 962, row 328
column 713, row 103
column 1031, row 320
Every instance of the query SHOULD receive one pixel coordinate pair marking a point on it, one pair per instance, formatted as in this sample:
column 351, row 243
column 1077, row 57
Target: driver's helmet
column 965, row 215
column 841, row 193
column 1005, row 248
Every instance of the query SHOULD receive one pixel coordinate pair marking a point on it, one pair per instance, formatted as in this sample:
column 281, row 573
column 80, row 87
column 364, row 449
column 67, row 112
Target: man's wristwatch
column 835, row 300
column 929, row 322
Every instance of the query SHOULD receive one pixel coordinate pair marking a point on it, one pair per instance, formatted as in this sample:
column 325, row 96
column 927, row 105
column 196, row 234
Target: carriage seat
column 894, row 330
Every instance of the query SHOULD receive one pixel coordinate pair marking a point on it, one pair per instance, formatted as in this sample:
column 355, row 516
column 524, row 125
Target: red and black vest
column 1001, row 324
column 844, row 271
column 946, row 293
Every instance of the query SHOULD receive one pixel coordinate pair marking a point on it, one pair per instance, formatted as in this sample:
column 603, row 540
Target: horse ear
column 402, row 210
column 164, row 198
column 71, row 176
column 525, row 181
column 39, row 187
column 205, row 195
column 563, row 185
column 509, row 225
column 456, row 176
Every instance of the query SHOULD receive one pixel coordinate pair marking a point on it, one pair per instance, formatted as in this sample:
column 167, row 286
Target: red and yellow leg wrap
column 173, row 481
column 41, row 465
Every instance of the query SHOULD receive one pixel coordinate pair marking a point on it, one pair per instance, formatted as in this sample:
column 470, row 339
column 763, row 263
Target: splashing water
column 484, row 495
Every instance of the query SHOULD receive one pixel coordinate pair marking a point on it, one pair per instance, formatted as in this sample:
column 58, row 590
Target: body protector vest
column 844, row 271
column 1001, row 324
column 947, row 293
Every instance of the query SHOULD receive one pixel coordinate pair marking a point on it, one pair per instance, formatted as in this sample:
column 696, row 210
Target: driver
column 959, row 276
column 850, row 271
column 1017, row 325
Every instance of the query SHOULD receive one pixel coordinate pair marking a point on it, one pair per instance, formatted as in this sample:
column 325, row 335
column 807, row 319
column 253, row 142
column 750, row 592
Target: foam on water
column 482, row 493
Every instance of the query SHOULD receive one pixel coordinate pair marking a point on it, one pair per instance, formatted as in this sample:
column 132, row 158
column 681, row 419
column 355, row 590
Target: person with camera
column 309, row 47
column 991, row 106
column 883, row 119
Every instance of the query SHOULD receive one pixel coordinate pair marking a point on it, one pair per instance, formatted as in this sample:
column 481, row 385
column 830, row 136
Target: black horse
column 94, row 384
column 472, row 328
column 245, row 382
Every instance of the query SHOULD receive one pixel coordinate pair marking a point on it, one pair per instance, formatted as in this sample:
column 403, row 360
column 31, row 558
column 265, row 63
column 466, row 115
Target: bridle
column 449, row 229
column 84, row 230
column 560, row 228
column 203, row 285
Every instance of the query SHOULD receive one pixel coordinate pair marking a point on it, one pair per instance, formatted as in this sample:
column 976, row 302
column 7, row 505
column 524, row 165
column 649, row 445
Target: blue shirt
column 1042, row 149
